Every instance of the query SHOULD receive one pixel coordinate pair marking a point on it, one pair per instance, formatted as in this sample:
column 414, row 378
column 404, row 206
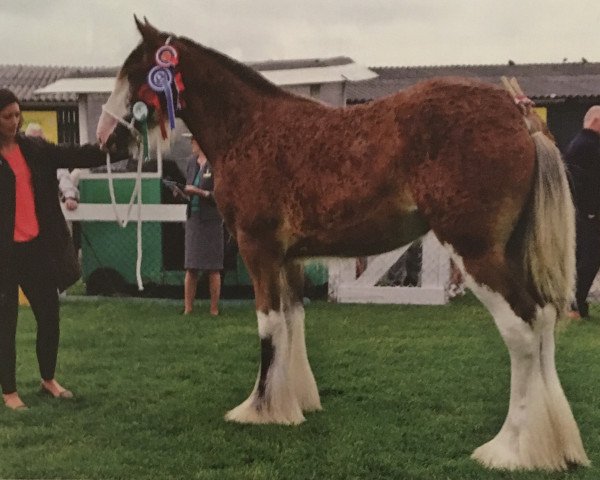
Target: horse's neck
column 216, row 122
column 221, row 104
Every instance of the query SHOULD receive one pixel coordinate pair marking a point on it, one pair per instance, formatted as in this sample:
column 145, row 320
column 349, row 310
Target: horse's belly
column 373, row 236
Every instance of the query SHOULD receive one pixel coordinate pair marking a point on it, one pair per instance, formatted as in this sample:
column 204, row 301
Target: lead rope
column 123, row 222
column 136, row 193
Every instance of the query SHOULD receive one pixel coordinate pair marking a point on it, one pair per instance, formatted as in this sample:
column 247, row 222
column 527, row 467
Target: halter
column 162, row 78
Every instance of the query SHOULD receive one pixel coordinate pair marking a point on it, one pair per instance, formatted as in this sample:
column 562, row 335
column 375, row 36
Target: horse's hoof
column 502, row 454
column 494, row 454
column 252, row 411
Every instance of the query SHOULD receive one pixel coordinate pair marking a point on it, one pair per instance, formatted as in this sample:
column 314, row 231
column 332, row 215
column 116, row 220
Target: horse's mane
column 245, row 73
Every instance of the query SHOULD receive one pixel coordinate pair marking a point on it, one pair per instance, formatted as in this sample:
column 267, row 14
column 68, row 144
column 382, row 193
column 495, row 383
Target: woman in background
column 203, row 232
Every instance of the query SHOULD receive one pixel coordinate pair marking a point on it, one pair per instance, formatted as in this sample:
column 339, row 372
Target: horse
column 297, row 179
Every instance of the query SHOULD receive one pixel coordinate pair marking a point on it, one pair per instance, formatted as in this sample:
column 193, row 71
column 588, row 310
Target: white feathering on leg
column 301, row 375
column 532, row 437
column 279, row 403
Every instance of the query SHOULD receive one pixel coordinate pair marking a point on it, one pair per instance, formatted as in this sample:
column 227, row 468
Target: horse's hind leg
column 539, row 430
column 573, row 446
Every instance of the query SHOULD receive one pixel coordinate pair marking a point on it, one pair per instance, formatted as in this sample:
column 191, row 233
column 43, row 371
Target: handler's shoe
column 54, row 389
column 14, row 402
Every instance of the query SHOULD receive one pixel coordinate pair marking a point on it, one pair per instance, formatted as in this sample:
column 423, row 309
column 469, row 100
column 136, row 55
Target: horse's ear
column 150, row 35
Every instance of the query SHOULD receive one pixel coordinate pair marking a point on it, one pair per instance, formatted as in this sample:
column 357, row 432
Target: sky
column 372, row 32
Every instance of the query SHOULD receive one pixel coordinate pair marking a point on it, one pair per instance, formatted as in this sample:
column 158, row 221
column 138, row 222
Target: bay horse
column 295, row 178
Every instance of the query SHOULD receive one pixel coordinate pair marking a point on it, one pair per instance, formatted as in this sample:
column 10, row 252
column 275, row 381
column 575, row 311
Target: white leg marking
column 562, row 415
column 539, row 431
column 301, row 376
column 277, row 402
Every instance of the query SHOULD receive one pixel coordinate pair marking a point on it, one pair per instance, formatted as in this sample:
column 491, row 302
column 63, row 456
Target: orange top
column 26, row 222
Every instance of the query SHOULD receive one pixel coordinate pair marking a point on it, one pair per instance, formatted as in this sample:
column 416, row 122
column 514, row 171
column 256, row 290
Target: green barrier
column 111, row 250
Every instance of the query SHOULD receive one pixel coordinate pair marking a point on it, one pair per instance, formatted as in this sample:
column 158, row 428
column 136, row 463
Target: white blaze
column 117, row 108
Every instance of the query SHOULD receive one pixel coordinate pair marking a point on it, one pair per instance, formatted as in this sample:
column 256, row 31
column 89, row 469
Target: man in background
column 583, row 162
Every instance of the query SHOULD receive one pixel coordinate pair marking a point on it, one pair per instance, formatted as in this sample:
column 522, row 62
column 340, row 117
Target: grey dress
column 204, row 226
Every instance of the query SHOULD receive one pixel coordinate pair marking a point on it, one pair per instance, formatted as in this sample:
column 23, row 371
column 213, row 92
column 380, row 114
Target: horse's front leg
column 274, row 397
column 301, row 376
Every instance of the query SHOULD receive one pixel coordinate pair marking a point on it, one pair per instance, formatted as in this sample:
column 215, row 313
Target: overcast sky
column 372, row 32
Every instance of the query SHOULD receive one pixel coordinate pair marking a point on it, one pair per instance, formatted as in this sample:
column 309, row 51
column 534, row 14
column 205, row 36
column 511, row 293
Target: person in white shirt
column 67, row 181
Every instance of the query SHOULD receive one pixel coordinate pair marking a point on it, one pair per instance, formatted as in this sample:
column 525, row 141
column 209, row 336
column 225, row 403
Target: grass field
column 408, row 392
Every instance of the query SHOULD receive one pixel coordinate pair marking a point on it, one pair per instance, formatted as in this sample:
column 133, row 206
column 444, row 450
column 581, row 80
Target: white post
column 435, row 263
column 83, row 120
column 340, row 270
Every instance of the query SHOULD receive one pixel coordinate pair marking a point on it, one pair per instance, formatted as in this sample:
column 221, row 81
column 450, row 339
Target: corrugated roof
column 287, row 77
column 539, row 81
column 23, row 80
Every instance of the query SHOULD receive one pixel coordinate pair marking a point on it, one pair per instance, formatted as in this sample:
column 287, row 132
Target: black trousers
column 29, row 268
column 588, row 260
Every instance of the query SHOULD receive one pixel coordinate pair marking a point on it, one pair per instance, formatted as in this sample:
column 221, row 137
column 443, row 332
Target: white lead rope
column 122, row 222
column 137, row 192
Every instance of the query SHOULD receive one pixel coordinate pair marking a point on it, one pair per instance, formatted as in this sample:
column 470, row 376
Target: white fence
column 347, row 285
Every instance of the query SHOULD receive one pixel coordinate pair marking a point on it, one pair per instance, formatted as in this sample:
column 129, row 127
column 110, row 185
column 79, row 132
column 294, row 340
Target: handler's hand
column 71, row 204
column 118, row 148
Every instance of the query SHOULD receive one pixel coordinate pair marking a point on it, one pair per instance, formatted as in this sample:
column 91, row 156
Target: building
column 57, row 112
column 564, row 90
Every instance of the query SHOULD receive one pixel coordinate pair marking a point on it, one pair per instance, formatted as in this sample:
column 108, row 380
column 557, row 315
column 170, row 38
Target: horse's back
column 451, row 154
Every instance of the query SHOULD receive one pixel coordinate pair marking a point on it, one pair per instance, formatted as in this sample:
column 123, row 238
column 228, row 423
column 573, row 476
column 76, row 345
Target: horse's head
column 148, row 92
column 215, row 95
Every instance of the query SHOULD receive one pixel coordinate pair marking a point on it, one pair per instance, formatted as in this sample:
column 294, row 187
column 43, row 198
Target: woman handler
column 36, row 251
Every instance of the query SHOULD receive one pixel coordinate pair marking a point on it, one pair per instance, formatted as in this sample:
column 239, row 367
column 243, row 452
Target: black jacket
column 583, row 162
column 43, row 158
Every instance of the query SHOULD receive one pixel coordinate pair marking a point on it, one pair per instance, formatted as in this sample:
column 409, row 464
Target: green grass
column 408, row 392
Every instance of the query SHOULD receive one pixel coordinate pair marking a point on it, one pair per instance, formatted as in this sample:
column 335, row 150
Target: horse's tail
column 550, row 232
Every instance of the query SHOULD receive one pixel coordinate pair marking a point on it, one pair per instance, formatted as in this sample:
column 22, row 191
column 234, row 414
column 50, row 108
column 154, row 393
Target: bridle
column 164, row 78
